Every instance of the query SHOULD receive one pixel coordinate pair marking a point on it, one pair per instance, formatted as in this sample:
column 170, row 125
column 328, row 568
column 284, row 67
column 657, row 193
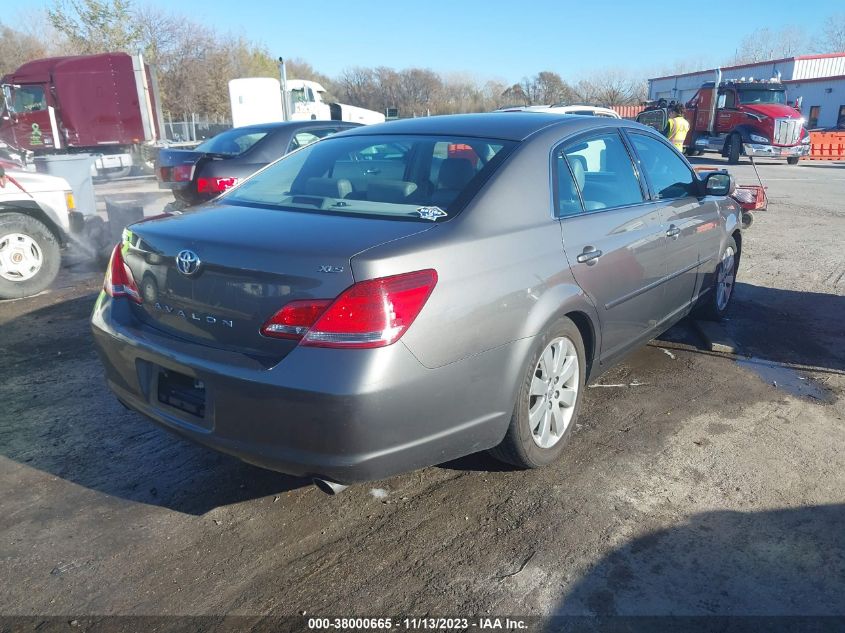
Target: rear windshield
column 232, row 142
column 415, row 177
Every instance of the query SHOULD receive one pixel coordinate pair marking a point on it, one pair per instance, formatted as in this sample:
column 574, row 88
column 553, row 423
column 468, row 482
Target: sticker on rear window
column 431, row 213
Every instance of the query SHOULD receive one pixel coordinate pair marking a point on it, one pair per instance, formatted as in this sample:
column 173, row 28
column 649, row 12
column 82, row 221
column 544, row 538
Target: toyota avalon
column 403, row 294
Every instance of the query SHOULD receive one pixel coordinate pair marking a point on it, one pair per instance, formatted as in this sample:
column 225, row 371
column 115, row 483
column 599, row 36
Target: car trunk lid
column 251, row 262
column 175, row 168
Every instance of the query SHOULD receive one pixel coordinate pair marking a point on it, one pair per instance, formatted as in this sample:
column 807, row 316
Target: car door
column 692, row 222
column 616, row 246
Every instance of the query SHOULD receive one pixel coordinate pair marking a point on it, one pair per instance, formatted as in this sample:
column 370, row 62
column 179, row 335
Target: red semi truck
column 101, row 104
column 751, row 118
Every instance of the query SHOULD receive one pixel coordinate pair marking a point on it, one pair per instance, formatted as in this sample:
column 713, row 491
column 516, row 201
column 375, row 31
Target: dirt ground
column 708, row 487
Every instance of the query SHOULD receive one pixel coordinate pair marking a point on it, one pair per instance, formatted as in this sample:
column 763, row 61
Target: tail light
column 372, row 313
column 215, row 185
column 177, row 173
column 119, row 281
column 294, row 320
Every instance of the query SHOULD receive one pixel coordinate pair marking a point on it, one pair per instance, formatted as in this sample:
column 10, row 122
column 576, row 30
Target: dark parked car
column 404, row 294
column 200, row 174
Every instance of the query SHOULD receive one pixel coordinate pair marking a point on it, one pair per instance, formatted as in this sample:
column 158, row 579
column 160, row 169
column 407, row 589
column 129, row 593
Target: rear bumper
column 774, row 151
column 113, row 161
column 344, row 415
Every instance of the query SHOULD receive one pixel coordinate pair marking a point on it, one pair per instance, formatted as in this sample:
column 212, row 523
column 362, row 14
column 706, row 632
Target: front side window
column 28, row 99
column 603, row 172
column 383, row 175
column 667, row 172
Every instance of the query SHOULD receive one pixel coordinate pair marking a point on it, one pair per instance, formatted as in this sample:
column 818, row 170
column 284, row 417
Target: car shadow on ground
column 790, row 326
column 779, row 562
column 778, row 326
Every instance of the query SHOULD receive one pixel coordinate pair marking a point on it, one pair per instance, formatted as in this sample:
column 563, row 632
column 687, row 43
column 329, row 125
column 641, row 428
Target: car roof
column 292, row 125
column 508, row 126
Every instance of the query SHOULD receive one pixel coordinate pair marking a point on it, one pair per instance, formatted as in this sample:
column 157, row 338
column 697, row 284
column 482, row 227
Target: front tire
column 792, row 160
column 715, row 303
column 734, row 149
column 29, row 256
column 549, row 399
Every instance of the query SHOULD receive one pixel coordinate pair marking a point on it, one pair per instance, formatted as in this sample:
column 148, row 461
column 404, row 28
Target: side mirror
column 719, row 183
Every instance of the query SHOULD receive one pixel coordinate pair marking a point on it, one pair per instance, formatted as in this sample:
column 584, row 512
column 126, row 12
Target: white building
column 819, row 80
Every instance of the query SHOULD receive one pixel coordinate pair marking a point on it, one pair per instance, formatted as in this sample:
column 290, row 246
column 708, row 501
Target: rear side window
column 385, row 175
column 603, row 172
column 667, row 173
column 566, row 191
column 232, row 142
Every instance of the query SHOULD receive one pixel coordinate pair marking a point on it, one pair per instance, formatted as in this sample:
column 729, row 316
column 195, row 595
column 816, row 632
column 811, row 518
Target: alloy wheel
column 553, row 392
column 725, row 279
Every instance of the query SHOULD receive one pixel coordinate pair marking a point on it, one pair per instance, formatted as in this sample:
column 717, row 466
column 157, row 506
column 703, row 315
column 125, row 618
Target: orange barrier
column 628, row 111
column 826, row 146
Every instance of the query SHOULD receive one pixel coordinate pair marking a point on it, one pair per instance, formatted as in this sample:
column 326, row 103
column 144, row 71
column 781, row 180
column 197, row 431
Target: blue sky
column 502, row 39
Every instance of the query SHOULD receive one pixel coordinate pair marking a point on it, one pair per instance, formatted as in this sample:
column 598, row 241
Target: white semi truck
column 257, row 100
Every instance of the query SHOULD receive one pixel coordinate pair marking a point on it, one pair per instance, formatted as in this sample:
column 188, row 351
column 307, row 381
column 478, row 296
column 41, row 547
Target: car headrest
column 579, row 170
column 328, row 187
column 455, row 173
column 384, row 190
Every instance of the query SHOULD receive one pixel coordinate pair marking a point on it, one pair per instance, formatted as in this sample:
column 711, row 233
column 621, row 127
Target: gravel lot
column 711, row 487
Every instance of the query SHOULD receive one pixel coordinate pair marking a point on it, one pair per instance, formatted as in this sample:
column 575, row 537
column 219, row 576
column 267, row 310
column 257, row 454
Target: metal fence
column 194, row 128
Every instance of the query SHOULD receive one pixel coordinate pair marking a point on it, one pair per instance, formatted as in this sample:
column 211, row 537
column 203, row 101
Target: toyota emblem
column 188, row 262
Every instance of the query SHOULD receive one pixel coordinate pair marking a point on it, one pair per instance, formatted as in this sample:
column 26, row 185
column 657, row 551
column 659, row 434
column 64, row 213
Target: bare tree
column 833, row 34
column 515, row 96
column 554, row 90
column 357, row 86
column 764, row 45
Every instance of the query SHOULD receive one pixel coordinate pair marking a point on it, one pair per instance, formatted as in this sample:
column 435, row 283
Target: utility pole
column 283, row 79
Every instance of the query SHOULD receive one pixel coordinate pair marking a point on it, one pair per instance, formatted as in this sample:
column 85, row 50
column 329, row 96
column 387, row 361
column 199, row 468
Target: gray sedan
column 403, row 294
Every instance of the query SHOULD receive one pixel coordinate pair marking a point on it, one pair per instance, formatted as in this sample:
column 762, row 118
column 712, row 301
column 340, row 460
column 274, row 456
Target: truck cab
column 102, row 104
column 751, row 118
column 27, row 117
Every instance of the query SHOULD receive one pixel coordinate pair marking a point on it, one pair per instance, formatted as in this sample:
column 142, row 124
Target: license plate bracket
column 182, row 392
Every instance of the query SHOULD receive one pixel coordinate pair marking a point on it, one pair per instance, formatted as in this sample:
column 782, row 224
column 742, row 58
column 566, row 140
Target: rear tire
column 734, row 149
column 792, row 160
column 549, row 399
column 713, row 305
column 29, row 256
column 747, row 219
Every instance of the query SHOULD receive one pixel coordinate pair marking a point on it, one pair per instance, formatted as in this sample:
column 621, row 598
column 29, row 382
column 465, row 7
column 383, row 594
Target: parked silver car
column 403, row 294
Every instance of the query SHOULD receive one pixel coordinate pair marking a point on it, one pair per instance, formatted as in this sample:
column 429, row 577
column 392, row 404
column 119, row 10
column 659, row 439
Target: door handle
column 589, row 256
column 673, row 232
column 372, row 171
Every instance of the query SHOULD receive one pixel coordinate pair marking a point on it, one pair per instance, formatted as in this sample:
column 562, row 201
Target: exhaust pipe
column 711, row 124
column 329, row 487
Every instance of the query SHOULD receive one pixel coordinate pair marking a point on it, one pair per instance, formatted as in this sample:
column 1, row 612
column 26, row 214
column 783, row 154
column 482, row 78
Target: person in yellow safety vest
column 678, row 128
